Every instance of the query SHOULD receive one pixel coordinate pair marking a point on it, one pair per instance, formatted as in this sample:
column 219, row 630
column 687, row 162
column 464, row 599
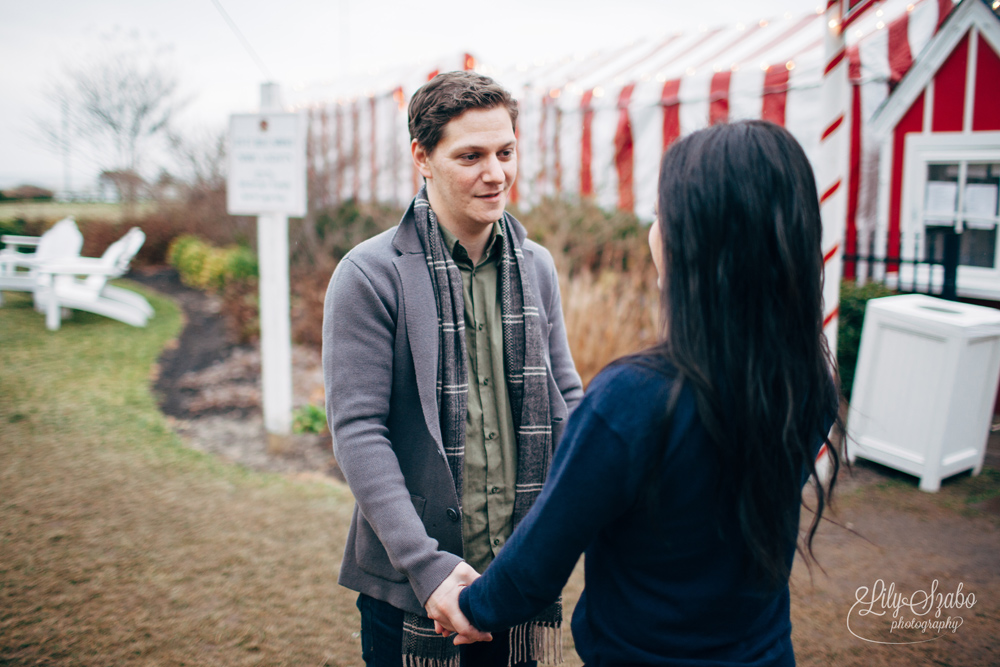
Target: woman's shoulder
column 631, row 388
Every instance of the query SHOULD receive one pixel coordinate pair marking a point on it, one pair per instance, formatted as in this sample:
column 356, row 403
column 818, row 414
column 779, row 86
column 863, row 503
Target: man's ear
column 420, row 158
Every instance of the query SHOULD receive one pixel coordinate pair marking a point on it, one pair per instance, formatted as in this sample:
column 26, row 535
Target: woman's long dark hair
column 742, row 304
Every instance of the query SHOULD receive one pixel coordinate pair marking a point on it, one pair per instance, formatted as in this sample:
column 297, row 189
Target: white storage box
column 924, row 387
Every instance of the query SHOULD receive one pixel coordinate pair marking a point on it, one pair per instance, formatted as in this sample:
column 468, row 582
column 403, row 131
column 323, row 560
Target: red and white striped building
column 891, row 100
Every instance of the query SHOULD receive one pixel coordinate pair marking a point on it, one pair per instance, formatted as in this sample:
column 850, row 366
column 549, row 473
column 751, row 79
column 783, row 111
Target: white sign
column 267, row 164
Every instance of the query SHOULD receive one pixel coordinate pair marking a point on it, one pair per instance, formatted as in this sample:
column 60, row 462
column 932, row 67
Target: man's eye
column 507, row 153
column 470, row 157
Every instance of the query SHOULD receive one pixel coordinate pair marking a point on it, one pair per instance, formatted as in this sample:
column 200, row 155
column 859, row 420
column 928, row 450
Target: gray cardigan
column 380, row 369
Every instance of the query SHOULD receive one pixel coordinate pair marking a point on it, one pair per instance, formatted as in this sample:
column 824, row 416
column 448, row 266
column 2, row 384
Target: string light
column 689, row 71
column 764, row 66
column 735, row 67
column 763, row 23
column 717, row 68
column 879, row 13
column 661, row 77
column 554, row 93
column 790, row 65
column 910, row 8
column 880, row 25
column 598, row 91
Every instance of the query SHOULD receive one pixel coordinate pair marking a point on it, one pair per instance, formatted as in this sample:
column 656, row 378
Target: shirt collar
column 458, row 251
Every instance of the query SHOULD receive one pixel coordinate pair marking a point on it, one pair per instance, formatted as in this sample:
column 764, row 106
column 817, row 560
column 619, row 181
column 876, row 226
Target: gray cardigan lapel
column 420, row 313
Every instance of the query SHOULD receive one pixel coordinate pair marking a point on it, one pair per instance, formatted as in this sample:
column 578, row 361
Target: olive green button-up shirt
column 490, row 470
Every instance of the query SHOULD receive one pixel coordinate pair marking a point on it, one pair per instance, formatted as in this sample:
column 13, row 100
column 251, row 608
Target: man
column 448, row 380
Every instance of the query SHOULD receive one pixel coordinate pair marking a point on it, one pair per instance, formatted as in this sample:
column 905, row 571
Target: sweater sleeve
column 593, row 480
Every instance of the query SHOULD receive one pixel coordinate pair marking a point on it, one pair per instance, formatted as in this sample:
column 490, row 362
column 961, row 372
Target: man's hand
column 442, row 607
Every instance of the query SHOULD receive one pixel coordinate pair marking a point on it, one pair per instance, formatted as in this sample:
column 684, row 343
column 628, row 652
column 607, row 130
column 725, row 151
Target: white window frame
column 922, row 150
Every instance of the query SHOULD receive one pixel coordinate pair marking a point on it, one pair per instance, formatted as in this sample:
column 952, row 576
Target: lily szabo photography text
column 895, row 617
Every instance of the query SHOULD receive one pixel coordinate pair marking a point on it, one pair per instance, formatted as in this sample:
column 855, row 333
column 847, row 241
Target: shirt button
column 491, row 435
column 480, row 326
column 495, row 489
column 486, row 382
column 452, row 514
column 496, row 542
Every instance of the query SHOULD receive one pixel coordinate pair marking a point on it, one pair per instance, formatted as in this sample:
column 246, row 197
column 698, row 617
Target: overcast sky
column 301, row 42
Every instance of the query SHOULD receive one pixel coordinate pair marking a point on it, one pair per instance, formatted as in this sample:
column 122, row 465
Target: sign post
column 267, row 166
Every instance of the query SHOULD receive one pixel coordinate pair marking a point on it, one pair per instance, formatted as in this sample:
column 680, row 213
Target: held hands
column 442, row 607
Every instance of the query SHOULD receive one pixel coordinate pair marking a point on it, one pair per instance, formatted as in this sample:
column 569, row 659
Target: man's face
column 471, row 170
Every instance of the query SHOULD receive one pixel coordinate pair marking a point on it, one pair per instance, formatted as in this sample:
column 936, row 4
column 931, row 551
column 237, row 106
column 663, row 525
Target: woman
column 681, row 472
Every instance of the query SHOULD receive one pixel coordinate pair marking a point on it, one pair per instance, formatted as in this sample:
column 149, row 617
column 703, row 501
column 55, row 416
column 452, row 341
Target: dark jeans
column 382, row 639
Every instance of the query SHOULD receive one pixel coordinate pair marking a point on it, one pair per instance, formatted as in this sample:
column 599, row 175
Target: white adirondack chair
column 19, row 270
column 82, row 284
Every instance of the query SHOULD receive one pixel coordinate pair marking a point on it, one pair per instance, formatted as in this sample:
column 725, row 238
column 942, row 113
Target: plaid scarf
column 527, row 387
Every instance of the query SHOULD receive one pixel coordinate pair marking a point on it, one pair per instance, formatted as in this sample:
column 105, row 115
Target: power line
column 246, row 43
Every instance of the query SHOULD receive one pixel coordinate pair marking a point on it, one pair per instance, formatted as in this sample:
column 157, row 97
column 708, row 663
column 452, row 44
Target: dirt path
column 210, row 390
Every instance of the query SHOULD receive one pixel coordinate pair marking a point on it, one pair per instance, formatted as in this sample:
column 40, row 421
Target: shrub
column 309, row 419
column 853, row 300
column 204, row 266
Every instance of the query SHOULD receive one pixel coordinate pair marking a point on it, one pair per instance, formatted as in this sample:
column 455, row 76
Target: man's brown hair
column 448, row 96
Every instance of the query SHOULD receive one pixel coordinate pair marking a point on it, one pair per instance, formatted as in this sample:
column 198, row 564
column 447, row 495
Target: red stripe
column 624, row 158
column 468, row 62
column 339, row 181
column 834, row 62
column 829, row 192
column 829, row 318
column 543, row 144
column 514, row 195
column 558, row 151
column 831, row 253
column 900, row 58
column 775, row 94
column 854, row 64
column 374, row 166
column 944, row 8
column 833, row 127
column 986, row 95
column 822, row 453
column 853, row 183
column 586, row 179
column 670, row 99
column 857, row 10
column 718, row 109
column 433, row 74
column 912, row 121
column 949, row 90
column 356, row 149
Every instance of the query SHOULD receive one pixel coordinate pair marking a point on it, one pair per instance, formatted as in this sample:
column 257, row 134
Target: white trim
column 928, row 107
column 921, row 149
column 926, row 64
column 970, row 80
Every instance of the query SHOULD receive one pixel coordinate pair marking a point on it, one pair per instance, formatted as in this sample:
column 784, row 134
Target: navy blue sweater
column 666, row 587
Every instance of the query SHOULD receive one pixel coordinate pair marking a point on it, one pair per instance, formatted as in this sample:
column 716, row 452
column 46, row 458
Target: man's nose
column 493, row 172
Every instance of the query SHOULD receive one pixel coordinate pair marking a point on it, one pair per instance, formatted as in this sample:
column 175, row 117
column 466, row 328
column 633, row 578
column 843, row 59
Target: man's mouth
column 490, row 197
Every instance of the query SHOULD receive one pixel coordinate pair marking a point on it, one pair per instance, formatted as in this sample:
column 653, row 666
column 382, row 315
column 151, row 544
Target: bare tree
column 120, row 104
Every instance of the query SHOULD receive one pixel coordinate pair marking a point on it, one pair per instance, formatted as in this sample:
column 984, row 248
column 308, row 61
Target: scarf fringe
column 536, row 641
column 410, row 660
